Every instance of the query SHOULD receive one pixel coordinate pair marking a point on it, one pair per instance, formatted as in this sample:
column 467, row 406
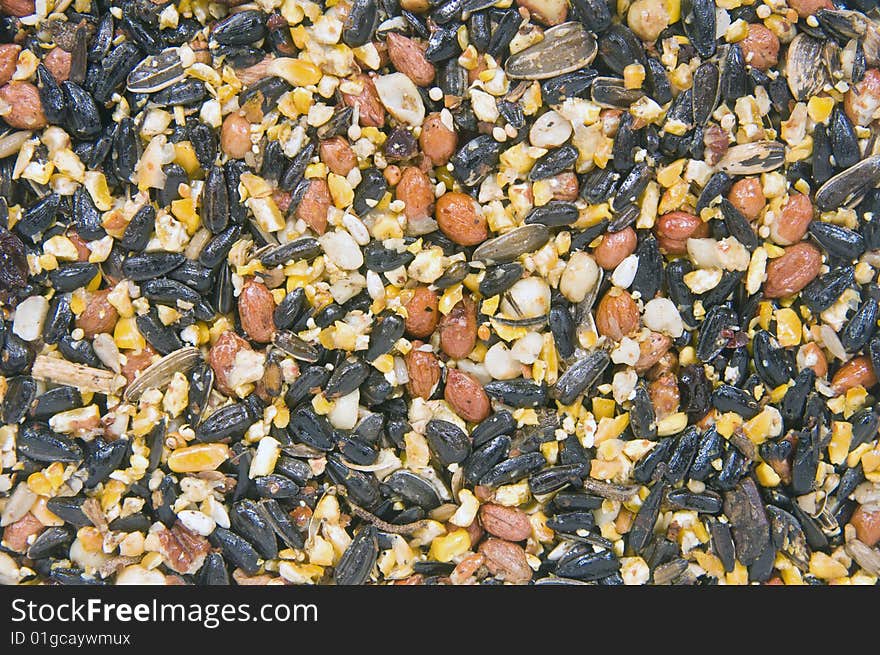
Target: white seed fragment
column 581, row 274
column 29, row 318
column 625, row 272
column 528, row 298
column 264, row 459
column 341, row 249
column 500, row 362
column 344, row 414
column 550, row 130
column 527, row 349
column 197, row 522
column 401, row 98
column 661, row 315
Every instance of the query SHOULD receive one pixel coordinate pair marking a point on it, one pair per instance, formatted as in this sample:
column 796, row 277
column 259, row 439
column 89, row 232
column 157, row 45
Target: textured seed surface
column 452, row 292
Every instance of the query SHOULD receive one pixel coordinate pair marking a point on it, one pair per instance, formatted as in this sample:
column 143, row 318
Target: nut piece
column 675, row 228
column 58, row 63
column 617, row 314
column 862, row 99
column 546, row 12
column 137, row 361
column 17, row 8
column 807, row 8
column 26, row 111
column 417, row 193
column 370, row 109
column 664, row 395
column 466, row 396
column 99, row 315
column 866, row 523
column 647, row 18
column 857, row 371
column 15, row 535
column 235, row 136
column 338, row 155
column 508, row 523
column 424, row 372
column 810, row 355
column 748, row 197
column 458, row 329
column 422, row 314
column 437, row 141
column 506, row 561
column 651, row 350
column 792, row 271
column 615, row 247
column 315, row 204
column 408, row 57
column 182, row 550
column 8, row 61
column 256, row 307
column 792, row 223
column 761, row 47
column 221, row 357
column 459, row 219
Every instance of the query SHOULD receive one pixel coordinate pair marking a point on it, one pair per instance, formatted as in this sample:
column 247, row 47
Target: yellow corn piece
column 788, row 327
column 201, row 457
column 446, row 547
column 185, row 156
column 841, row 439
column 127, row 336
column 767, row 477
column 603, row 408
column 611, row 428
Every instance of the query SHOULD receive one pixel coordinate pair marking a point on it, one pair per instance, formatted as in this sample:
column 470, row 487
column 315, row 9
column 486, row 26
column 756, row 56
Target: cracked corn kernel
column 198, row 458
column 449, row 546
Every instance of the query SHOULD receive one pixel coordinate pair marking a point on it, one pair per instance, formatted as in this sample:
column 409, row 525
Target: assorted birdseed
column 419, row 292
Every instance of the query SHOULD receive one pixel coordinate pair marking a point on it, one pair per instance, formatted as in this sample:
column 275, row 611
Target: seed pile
column 417, row 292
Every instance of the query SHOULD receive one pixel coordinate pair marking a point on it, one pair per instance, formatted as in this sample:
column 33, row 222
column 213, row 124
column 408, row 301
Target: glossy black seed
column 218, row 248
column 237, row 550
column 413, row 488
column 518, row 392
column 643, row 420
column 643, row 525
column 554, row 162
column 580, row 376
column 513, row 469
column 448, row 442
column 39, row 216
column 650, row 275
column 39, row 443
column 384, row 336
column 311, row 429
column 363, row 488
column 730, row 399
column 824, row 291
column 570, row 85
column 554, row 478
column 837, row 240
column 707, row 502
column 795, row 400
column 715, row 332
column 55, row 401
column 739, row 226
column 69, row 509
column 227, row 423
column 357, row 562
column 103, row 458
column 20, row 393
column 647, row 465
column 137, row 233
column 772, row 363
